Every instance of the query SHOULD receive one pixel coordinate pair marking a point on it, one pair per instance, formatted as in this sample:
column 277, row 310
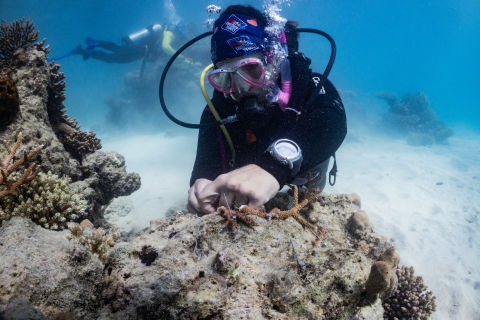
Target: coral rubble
column 9, row 101
column 412, row 116
column 411, row 300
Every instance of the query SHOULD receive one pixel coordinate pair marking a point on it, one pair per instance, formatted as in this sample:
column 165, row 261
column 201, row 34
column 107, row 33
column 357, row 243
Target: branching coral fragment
column 9, row 165
column 245, row 211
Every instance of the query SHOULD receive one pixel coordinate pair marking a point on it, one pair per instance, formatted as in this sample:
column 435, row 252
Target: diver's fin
column 77, row 50
column 92, row 43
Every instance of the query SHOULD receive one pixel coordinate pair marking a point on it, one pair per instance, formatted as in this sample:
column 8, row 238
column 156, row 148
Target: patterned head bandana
column 237, row 35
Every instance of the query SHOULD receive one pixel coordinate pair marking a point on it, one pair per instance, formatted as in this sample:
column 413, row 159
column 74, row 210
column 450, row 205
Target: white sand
column 426, row 199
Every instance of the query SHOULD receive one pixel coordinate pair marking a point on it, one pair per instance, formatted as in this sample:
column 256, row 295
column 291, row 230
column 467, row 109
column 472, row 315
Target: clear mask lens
column 250, row 71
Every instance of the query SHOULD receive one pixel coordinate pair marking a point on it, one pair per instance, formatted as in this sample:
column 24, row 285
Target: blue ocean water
column 382, row 46
column 398, row 47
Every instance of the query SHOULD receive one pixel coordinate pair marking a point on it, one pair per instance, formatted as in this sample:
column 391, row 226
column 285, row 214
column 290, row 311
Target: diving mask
column 242, row 74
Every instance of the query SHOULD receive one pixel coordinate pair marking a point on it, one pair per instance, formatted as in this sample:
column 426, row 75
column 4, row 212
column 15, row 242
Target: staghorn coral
column 47, row 200
column 243, row 213
column 382, row 280
column 9, row 100
column 11, row 165
column 96, row 239
column 411, row 300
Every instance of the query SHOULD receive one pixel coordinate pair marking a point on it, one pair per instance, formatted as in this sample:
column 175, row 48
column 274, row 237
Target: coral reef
column 412, row 116
column 68, row 152
column 382, row 280
column 105, row 179
column 11, row 164
column 14, row 37
column 190, row 267
column 96, row 239
column 47, row 200
column 411, row 300
column 9, row 101
column 77, row 142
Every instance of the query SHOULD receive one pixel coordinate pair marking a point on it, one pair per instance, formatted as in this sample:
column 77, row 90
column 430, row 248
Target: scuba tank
column 143, row 34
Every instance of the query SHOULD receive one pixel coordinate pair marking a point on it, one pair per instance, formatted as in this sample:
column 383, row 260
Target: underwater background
column 420, row 188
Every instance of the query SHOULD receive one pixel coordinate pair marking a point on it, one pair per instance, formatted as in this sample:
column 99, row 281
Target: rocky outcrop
column 190, row 267
column 100, row 175
column 46, row 269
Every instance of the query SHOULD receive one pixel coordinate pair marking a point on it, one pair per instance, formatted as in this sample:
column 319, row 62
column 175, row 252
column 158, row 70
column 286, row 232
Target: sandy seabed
column 426, row 199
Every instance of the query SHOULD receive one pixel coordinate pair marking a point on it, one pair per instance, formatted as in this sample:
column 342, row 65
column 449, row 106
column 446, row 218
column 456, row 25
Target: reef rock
column 190, row 267
column 47, row 270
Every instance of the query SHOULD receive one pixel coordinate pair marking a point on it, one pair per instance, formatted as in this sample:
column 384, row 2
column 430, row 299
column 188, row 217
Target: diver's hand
column 201, row 202
column 250, row 185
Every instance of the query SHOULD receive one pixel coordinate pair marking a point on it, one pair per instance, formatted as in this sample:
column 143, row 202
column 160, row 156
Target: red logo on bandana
column 233, row 24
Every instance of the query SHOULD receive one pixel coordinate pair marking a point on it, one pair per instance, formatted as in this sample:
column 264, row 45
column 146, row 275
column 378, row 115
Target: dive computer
column 288, row 153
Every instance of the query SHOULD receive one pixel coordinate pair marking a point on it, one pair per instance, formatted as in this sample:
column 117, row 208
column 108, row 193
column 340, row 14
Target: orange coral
column 243, row 214
column 6, row 168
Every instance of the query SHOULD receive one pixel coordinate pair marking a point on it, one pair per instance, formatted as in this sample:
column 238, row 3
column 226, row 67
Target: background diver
column 148, row 44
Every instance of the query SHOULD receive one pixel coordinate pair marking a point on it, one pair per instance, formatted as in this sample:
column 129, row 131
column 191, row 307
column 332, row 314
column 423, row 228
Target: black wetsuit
column 318, row 131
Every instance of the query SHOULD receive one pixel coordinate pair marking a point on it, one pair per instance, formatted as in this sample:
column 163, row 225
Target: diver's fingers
column 193, row 205
column 209, row 203
column 254, row 203
column 208, row 193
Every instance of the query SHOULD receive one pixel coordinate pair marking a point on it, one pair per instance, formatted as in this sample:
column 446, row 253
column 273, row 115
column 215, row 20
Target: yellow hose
column 214, row 112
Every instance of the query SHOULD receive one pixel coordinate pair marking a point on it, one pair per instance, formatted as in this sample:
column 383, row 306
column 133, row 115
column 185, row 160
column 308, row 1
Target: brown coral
column 382, row 280
column 77, row 142
column 9, row 165
column 9, row 100
column 15, row 36
column 411, row 300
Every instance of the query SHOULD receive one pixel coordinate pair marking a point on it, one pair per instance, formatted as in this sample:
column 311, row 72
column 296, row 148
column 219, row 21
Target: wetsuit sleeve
column 208, row 162
column 319, row 132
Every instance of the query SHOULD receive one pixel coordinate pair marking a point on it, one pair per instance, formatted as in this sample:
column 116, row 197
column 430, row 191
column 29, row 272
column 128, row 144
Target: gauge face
column 286, row 149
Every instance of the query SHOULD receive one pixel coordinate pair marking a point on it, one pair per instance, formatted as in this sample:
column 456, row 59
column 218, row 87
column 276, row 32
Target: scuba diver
column 148, row 44
column 286, row 121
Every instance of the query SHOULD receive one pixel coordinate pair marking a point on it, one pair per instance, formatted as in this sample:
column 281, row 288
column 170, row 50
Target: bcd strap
column 333, row 172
